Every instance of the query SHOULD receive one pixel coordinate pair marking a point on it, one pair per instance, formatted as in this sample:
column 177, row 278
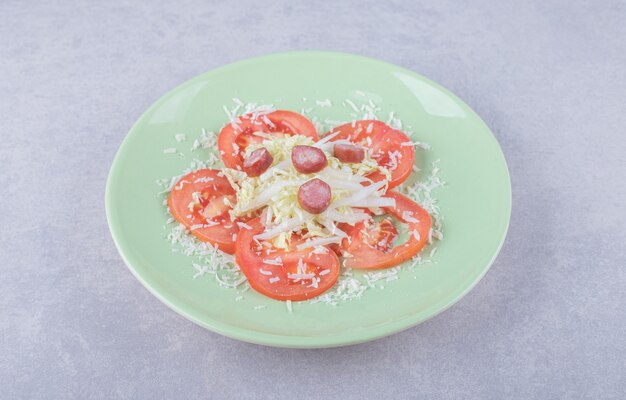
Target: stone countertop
column 548, row 320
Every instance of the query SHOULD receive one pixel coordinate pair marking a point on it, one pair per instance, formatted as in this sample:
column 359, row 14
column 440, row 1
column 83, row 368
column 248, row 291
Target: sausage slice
column 257, row 162
column 308, row 159
column 314, row 196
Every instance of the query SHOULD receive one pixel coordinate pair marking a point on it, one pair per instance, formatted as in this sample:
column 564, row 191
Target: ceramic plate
column 475, row 201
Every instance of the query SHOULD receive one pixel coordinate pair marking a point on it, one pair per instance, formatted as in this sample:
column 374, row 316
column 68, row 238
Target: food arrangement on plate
column 350, row 243
column 293, row 212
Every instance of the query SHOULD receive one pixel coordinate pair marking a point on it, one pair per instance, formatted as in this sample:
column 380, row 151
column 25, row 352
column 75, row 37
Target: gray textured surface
column 548, row 321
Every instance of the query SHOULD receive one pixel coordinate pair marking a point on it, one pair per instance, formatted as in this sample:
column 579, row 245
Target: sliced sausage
column 257, row 162
column 308, row 159
column 349, row 153
column 314, row 196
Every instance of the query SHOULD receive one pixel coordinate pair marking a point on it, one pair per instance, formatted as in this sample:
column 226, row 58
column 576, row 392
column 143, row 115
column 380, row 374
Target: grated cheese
column 394, row 122
column 314, row 282
column 320, row 250
column 394, row 159
column 268, row 121
column 207, row 140
column 408, row 217
column 432, row 252
column 351, row 104
column 416, row 235
column 202, row 269
column 421, row 145
column 324, row 103
column 209, row 223
column 243, row 225
column 273, row 261
column 320, row 241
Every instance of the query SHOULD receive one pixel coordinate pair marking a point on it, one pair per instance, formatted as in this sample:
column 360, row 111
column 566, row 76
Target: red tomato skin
column 363, row 256
column 220, row 235
column 251, row 264
column 348, row 153
column 382, row 140
column 233, row 140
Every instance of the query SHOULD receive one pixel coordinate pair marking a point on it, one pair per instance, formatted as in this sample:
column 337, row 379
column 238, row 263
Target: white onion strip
column 285, row 226
column 375, row 202
column 320, row 241
column 360, row 195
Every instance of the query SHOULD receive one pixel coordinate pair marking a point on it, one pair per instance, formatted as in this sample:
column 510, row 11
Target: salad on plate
column 295, row 209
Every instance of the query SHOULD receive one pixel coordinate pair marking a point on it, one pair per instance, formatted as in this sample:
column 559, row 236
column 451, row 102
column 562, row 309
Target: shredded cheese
column 243, row 225
column 273, row 261
column 324, row 103
column 408, row 217
column 421, row 145
column 351, row 104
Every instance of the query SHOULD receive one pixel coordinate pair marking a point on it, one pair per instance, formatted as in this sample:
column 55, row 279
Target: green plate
column 476, row 201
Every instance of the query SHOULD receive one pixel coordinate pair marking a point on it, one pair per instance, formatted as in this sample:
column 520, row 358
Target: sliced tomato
column 235, row 137
column 386, row 145
column 205, row 213
column 381, row 235
column 301, row 275
column 369, row 246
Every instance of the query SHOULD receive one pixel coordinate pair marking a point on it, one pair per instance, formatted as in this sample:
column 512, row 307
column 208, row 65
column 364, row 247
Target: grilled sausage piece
column 308, row 159
column 314, row 196
column 257, row 162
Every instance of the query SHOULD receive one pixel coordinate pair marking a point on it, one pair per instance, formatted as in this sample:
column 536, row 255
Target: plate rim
column 370, row 333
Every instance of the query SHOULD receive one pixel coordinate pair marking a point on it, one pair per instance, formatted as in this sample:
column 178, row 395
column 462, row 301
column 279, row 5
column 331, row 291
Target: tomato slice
column 367, row 247
column 234, row 138
column 386, row 145
column 293, row 279
column 205, row 213
column 381, row 235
